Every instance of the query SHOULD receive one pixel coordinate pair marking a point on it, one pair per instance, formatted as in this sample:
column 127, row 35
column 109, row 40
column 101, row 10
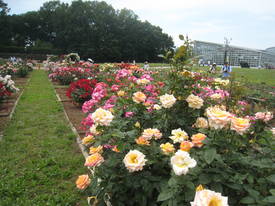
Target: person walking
column 226, row 70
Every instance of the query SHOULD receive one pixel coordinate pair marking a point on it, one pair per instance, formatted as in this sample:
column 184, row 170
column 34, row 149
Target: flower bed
column 157, row 139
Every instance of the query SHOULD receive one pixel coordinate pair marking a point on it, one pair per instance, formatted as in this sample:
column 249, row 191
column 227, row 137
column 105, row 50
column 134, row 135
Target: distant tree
column 91, row 28
column 3, row 8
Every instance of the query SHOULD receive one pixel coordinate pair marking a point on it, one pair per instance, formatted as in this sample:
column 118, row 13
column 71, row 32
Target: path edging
column 78, row 139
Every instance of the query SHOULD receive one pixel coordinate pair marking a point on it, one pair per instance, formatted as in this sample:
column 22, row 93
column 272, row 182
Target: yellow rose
column 240, row 125
column 139, row 97
column 88, row 139
column 83, row 182
column 178, row 135
column 194, row 101
column 137, row 124
column 94, row 150
column 201, row 123
column 121, row 93
column 134, row 160
column 167, row 148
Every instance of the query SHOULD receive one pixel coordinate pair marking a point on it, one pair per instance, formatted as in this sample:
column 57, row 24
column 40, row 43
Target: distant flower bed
column 7, row 87
column 66, row 75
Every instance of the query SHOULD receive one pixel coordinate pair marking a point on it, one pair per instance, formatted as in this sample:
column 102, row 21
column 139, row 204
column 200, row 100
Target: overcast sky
column 249, row 23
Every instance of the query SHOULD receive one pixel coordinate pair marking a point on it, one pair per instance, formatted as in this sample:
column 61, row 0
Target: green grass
column 39, row 159
column 261, row 76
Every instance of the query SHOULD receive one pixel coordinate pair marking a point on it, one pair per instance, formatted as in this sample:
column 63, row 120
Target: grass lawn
column 39, row 159
column 262, row 76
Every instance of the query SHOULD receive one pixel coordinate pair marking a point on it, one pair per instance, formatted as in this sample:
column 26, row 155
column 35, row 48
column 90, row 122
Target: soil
column 74, row 112
column 7, row 105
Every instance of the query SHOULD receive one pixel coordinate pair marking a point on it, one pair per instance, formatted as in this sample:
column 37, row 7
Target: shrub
column 81, row 90
column 22, row 71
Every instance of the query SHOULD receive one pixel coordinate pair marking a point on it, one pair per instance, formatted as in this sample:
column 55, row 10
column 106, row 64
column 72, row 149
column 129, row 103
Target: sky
column 247, row 23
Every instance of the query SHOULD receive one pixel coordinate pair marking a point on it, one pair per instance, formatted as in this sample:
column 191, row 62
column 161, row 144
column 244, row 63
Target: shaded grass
column 39, row 159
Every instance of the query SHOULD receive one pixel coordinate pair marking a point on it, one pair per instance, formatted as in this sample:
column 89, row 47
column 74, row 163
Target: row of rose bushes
column 8, row 71
column 161, row 138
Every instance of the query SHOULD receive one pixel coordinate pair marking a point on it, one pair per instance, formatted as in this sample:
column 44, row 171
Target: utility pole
column 226, row 49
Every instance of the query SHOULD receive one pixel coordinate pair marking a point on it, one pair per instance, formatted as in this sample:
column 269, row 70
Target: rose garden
column 73, row 132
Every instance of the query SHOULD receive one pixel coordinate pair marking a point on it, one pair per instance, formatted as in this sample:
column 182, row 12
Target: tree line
column 91, row 28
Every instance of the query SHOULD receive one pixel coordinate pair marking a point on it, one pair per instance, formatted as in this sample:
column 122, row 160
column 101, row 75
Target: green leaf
column 165, row 195
column 172, row 182
column 247, row 200
column 209, row 155
column 269, row 199
column 271, row 178
column 272, row 191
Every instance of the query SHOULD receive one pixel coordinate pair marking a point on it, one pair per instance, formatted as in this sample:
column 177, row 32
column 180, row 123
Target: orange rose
column 115, row 149
column 142, row 141
column 83, row 182
column 94, row 160
column 197, row 139
column 186, row 146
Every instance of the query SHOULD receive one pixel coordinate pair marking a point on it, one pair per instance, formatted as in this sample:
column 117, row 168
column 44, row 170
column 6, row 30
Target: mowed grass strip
column 39, row 157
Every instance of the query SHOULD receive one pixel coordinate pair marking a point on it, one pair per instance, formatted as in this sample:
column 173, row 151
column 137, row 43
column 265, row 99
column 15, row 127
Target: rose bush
column 157, row 139
column 7, row 87
column 81, row 90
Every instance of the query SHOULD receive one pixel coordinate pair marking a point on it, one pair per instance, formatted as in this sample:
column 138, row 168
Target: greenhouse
column 236, row 56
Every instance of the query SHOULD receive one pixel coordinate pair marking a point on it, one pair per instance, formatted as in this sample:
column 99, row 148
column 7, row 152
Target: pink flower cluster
column 207, row 92
column 265, row 116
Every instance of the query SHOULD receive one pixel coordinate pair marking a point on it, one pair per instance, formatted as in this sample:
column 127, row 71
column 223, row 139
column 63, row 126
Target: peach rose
column 217, row 117
column 139, row 97
column 197, row 139
column 186, row 146
column 94, row 160
column 83, row 182
column 240, row 125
